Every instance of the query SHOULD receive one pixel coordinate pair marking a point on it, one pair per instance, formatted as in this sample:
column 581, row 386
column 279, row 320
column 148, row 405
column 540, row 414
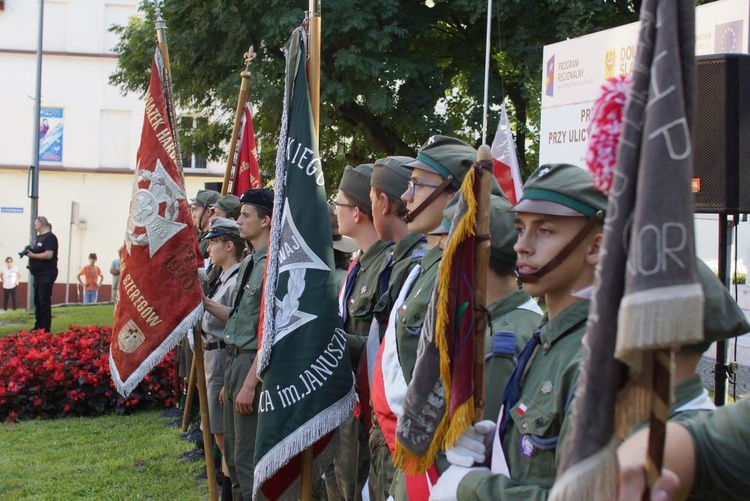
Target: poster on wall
column 50, row 134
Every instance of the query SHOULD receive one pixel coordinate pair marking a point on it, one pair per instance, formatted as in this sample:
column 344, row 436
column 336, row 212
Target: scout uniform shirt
column 514, row 318
column 364, row 296
column 412, row 313
column 242, row 326
column 721, row 452
column 406, row 254
column 540, row 417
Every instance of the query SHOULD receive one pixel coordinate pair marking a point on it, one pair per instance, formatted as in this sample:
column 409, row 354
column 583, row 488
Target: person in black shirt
column 42, row 266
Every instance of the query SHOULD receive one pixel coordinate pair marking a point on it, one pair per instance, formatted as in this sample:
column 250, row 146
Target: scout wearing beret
column 559, row 226
column 225, row 250
column 227, row 206
column 241, row 384
column 363, row 286
column 436, row 175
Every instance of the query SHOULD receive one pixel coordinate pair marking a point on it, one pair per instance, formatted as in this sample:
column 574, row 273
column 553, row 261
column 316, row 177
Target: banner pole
column 486, row 72
column 313, row 74
column 481, row 263
column 241, row 101
column 197, row 362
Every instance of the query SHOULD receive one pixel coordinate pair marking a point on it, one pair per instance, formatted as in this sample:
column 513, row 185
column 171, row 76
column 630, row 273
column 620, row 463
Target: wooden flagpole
column 241, row 102
column 481, row 263
column 313, row 75
column 197, row 363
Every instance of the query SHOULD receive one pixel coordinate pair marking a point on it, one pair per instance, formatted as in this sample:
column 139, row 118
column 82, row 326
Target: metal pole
column 487, row 72
column 33, row 180
column 726, row 231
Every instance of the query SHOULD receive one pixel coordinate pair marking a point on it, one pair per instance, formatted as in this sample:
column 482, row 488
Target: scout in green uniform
column 559, row 225
column 390, row 179
column 226, row 250
column 513, row 312
column 201, row 213
column 200, row 210
column 436, row 175
column 241, row 391
column 705, row 458
column 357, row 300
column 227, row 206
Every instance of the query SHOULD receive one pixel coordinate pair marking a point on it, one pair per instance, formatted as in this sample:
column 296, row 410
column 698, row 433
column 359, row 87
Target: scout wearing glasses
column 436, row 176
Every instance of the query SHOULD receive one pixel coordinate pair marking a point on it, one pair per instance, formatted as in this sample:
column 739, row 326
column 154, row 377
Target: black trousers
column 9, row 293
column 43, row 302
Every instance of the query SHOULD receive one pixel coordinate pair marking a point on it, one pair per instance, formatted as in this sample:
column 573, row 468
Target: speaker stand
column 726, row 237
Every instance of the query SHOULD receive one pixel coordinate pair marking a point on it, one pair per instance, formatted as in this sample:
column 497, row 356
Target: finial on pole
column 160, row 24
column 249, row 57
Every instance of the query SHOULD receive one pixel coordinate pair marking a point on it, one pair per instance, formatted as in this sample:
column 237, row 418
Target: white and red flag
column 246, row 168
column 505, row 161
column 159, row 294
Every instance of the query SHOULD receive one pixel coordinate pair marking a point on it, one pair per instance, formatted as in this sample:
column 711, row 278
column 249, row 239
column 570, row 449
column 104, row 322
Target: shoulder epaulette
column 418, row 254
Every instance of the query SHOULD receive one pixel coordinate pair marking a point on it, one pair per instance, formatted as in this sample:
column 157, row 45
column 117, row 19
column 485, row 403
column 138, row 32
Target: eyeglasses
column 336, row 204
column 413, row 185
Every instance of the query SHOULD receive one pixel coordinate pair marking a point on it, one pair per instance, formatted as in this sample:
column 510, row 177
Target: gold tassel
column 464, row 416
column 593, row 478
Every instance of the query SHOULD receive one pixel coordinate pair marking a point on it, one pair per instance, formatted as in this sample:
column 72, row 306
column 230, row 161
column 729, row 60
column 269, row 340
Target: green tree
column 393, row 72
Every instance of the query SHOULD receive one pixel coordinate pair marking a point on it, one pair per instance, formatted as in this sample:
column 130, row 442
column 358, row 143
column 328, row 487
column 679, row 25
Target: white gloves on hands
column 446, row 488
column 474, row 446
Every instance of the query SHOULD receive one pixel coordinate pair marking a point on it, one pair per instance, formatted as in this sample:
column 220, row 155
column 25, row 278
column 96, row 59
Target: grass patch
column 110, row 457
column 62, row 317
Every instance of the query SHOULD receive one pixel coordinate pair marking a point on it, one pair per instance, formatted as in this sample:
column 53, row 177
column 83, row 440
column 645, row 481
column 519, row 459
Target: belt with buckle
column 233, row 350
column 214, row 345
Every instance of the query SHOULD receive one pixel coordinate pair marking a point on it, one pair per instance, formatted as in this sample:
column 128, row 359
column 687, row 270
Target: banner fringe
column 124, row 388
column 592, row 478
column 302, row 438
column 448, row 430
column 659, row 318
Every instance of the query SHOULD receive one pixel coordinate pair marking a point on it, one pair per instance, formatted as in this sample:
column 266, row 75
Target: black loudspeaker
column 721, row 134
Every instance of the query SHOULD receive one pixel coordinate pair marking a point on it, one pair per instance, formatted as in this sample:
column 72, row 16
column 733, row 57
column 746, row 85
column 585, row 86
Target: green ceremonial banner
column 308, row 385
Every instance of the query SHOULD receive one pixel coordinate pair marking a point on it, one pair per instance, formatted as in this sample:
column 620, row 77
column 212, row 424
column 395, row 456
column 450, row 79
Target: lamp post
column 33, row 175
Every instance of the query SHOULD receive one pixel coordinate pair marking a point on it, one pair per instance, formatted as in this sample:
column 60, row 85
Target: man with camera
column 42, row 266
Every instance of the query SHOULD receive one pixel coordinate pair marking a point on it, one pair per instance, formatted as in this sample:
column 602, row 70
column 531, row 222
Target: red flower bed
column 67, row 374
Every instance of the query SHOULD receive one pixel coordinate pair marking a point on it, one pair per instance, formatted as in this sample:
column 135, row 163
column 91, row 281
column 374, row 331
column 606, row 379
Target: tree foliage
column 393, row 72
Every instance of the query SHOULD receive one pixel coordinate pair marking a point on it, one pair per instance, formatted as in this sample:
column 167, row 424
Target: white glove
column 473, row 446
column 446, row 488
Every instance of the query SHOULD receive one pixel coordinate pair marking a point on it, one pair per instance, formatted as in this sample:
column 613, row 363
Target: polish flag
column 506, row 169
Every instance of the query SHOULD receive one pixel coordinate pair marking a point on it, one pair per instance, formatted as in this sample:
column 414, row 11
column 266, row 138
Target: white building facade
column 89, row 133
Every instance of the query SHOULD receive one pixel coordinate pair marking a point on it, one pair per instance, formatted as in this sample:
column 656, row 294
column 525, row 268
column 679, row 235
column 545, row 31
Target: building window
column 188, row 125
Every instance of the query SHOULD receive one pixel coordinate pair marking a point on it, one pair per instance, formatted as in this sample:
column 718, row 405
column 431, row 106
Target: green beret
column 445, row 156
column 561, row 190
column 205, row 198
column 502, row 227
column 390, row 176
column 230, row 204
column 355, row 182
column 722, row 317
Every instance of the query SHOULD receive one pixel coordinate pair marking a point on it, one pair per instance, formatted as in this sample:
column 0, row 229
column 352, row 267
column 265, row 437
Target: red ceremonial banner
column 246, row 168
column 159, row 293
